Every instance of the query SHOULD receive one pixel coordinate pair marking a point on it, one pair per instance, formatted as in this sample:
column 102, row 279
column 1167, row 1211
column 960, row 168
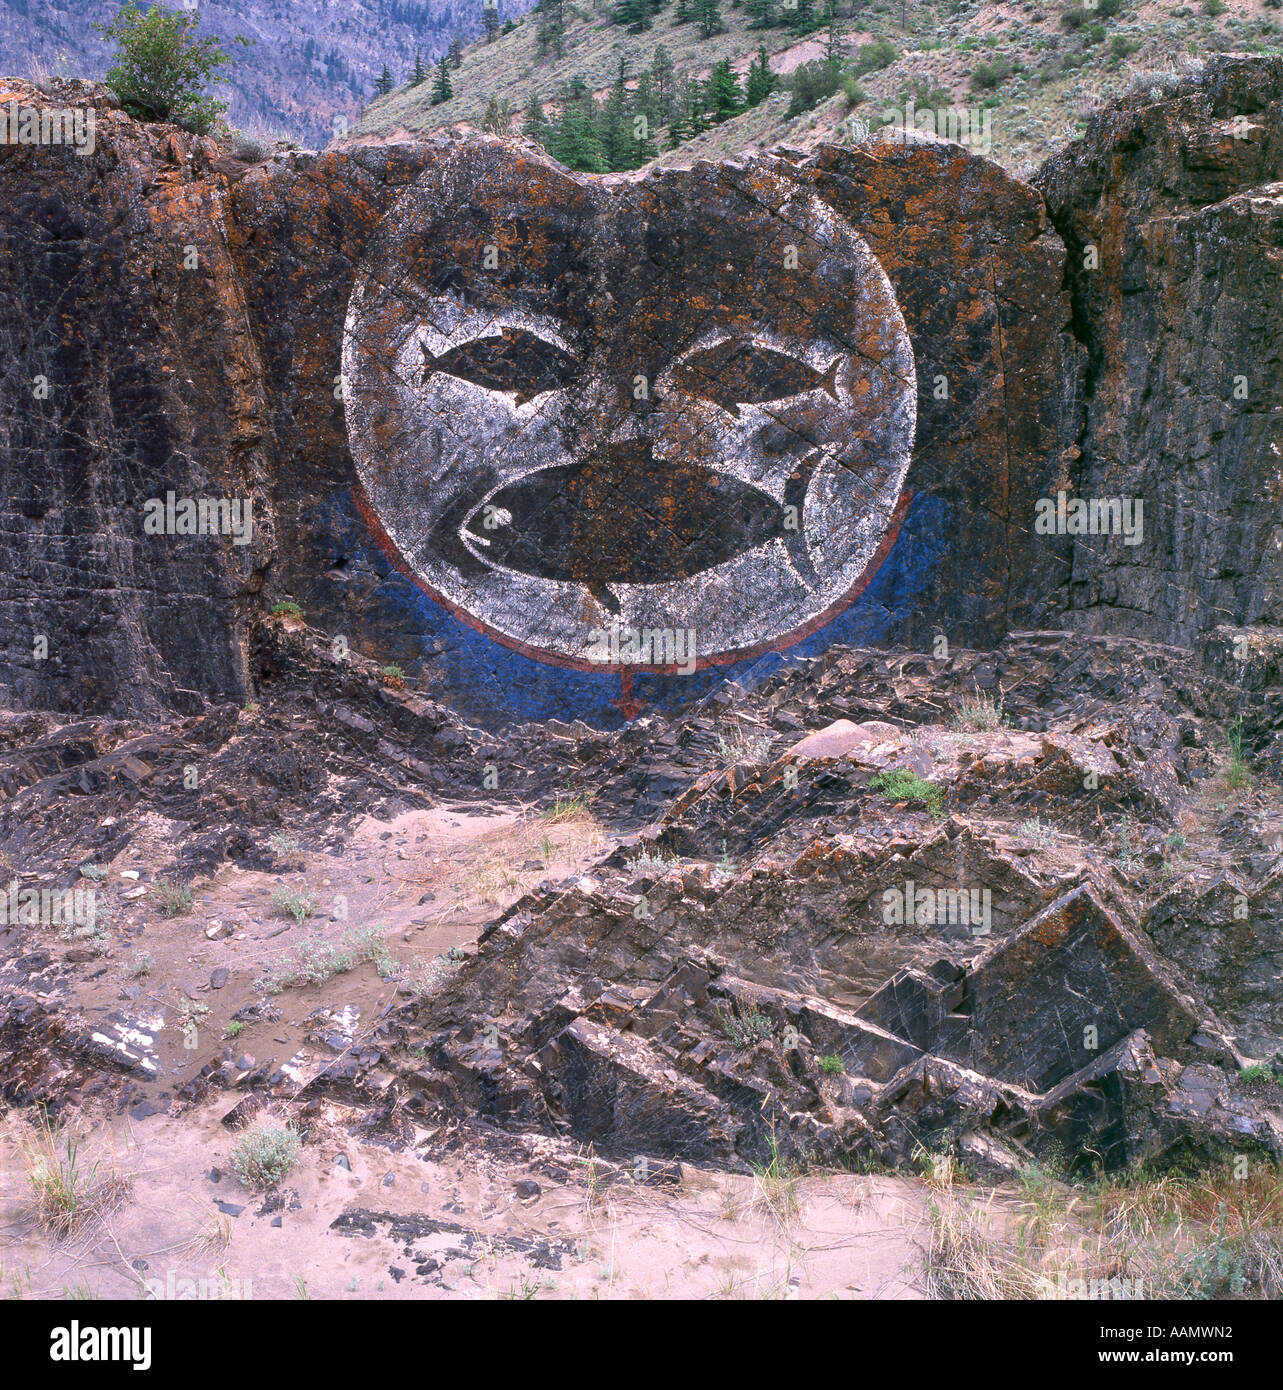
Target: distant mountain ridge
column 313, row 61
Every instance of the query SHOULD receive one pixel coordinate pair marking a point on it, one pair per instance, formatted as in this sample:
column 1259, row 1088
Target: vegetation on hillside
column 614, row 84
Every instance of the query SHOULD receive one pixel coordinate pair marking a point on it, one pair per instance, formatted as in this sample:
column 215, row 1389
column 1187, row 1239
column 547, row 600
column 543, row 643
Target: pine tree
column 420, row 74
column 722, row 95
column 762, row 12
column 614, row 125
column 696, row 121
column 455, row 54
column 661, row 69
column 490, row 19
column 645, row 103
column 833, row 44
column 576, row 142
column 535, row 124
column 636, row 15
column 761, row 80
column 708, row 15
column 550, row 32
column 441, row 88
column 683, row 13
column 644, row 148
column 384, row 84
column 801, row 19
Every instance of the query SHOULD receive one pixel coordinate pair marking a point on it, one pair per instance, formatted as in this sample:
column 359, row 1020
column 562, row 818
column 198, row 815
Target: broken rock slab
column 1073, row 981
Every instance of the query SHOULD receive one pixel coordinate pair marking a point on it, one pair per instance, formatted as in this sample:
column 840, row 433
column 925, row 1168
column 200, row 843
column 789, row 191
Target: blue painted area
column 492, row 685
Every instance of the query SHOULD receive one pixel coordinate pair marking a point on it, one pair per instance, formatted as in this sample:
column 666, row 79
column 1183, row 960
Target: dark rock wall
column 1178, row 198
column 185, row 314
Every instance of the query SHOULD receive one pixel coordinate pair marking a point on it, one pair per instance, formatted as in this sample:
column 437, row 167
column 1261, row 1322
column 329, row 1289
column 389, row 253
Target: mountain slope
column 312, row 61
column 1040, row 67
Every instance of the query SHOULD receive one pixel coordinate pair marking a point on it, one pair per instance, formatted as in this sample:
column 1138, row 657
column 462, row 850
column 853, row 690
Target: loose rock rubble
column 1002, row 956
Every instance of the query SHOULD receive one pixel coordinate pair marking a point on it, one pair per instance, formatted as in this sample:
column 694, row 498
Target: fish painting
column 511, row 360
column 603, row 522
column 740, row 372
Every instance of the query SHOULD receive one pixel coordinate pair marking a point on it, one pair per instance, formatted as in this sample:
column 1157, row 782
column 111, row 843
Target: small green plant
column 94, row 872
column 647, row 862
column 742, row 745
column 161, row 67
column 989, row 75
column 832, row 1064
column 939, row 1166
column 249, row 149
column 1213, row 1269
column 1176, row 840
column 1035, row 832
column 979, row 713
column 851, row 89
column 264, row 1153
column 173, row 896
column 142, row 963
column 67, row 1191
column 523, row 1291
column 287, row 608
column 392, row 672
column 745, row 1025
column 1126, row 856
column 725, row 865
column 297, row 903
column 908, row 786
column 881, row 53
column 1237, row 774
column 317, row 961
column 422, row 976
column 566, row 807
column 777, row 1183
column 190, row 1013
column 284, row 845
column 235, row 1028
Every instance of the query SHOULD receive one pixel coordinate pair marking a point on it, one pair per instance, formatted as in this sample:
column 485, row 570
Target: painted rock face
column 674, row 403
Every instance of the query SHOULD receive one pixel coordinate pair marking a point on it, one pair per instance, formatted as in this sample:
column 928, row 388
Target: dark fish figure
column 736, row 373
column 510, row 360
column 622, row 521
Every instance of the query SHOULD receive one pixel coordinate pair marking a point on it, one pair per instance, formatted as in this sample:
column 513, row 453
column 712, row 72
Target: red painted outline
column 541, row 654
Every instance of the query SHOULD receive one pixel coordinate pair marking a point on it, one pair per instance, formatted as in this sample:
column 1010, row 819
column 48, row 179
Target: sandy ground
column 449, row 1225
column 427, row 880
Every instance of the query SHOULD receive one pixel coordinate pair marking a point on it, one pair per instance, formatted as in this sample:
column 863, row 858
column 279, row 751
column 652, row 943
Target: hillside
column 311, row 61
column 1039, row 66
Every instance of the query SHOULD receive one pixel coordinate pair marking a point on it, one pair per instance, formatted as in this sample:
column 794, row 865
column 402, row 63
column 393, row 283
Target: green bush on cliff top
column 162, row 68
